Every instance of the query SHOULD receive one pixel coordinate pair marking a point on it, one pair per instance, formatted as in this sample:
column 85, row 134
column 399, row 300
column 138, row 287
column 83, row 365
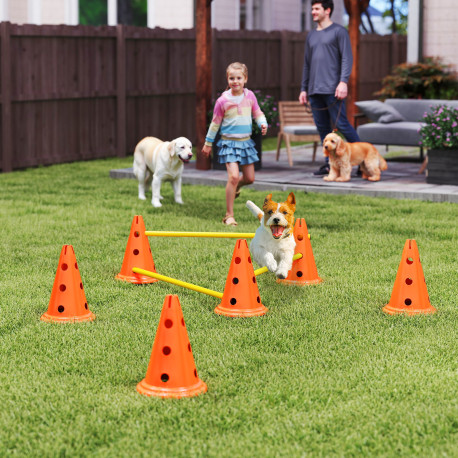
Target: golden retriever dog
column 343, row 155
column 156, row 161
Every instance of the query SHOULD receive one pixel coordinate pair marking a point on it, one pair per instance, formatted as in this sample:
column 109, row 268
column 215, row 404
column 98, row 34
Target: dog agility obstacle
column 222, row 235
column 198, row 289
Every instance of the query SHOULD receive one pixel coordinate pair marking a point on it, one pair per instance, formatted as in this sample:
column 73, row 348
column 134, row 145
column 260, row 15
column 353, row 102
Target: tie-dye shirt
column 235, row 119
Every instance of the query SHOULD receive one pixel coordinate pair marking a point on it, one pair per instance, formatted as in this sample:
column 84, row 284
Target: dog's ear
column 266, row 201
column 341, row 146
column 325, row 151
column 292, row 200
column 171, row 148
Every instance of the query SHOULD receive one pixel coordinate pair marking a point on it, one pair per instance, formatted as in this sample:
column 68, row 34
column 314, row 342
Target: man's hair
column 325, row 4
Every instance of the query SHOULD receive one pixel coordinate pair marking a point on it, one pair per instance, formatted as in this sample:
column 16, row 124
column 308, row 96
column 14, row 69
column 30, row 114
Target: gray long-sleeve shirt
column 328, row 60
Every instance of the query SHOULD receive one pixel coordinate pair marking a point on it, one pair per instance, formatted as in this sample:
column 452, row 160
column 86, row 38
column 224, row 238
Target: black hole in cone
column 61, row 308
column 164, row 377
column 233, row 301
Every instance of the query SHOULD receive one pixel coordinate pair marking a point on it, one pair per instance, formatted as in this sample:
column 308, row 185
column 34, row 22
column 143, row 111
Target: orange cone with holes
column 137, row 254
column 304, row 271
column 410, row 294
column 241, row 294
column 171, row 371
column 68, row 302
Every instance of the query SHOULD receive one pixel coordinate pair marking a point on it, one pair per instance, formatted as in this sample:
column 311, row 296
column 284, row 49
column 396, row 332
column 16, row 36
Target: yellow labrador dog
column 156, row 161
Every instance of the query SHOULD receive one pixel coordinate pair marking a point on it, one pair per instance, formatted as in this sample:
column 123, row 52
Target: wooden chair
column 296, row 124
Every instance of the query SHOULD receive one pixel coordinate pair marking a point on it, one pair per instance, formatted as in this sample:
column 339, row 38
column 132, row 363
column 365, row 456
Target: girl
column 233, row 113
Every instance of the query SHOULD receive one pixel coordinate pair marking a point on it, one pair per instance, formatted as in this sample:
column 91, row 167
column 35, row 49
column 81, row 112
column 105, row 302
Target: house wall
column 286, row 15
column 173, row 14
column 18, row 11
column 53, row 11
column 440, row 31
column 226, row 14
column 40, row 11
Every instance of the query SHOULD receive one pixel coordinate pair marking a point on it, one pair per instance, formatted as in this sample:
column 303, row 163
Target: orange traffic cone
column 410, row 294
column 241, row 293
column 171, row 371
column 137, row 254
column 68, row 302
column 304, row 271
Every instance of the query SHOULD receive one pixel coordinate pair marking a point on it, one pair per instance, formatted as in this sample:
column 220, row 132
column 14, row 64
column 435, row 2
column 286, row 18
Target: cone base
column 394, row 310
column 301, row 282
column 257, row 311
column 70, row 319
column 136, row 279
column 183, row 392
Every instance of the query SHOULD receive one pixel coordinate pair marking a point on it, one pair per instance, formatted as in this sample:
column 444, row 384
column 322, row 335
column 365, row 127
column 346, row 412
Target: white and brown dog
column 273, row 244
column 156, row 161
column 343, row 155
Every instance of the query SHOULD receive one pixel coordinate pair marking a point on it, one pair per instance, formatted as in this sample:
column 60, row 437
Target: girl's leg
column 247, row 176
column 233, row 173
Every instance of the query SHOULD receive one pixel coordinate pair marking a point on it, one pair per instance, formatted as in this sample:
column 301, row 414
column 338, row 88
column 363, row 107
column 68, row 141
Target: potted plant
column 439, row 135
column 269, row 108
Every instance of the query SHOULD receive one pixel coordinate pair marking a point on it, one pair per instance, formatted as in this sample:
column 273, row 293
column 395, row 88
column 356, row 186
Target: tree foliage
column 130, row 12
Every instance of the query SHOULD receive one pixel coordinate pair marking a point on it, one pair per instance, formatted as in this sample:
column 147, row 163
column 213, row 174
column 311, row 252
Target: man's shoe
column 323, row 170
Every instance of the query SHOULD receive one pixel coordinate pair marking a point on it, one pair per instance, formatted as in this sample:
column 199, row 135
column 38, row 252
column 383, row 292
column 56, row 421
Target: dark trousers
column 325, row 119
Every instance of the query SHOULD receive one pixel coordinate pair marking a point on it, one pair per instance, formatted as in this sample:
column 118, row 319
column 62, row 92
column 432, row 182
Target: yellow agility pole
column 174, row 281
column 222, row 235
column 263, row 270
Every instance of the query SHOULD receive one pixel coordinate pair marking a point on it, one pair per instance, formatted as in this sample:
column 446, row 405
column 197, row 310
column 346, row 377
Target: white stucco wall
column 286, row 15
column 226, row 14
column 18, row 11
column 172, row 14
column 440, row 30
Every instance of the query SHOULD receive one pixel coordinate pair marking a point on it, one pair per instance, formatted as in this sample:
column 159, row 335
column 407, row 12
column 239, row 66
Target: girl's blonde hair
column 237, row 66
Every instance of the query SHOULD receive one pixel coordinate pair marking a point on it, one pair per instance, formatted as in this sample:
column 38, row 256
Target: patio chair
column 296, row 124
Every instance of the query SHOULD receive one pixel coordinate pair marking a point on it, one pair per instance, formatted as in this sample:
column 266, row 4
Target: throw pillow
column 379, row 112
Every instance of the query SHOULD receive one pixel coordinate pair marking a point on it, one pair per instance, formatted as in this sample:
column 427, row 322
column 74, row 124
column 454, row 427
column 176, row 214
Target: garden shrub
column 430, row 79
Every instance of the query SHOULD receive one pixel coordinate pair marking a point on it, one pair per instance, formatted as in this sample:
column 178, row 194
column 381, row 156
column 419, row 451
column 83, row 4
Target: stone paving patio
column 400, row 181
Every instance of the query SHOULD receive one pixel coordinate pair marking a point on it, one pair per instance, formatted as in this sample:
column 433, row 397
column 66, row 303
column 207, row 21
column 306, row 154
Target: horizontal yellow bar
column 225, row 235
column 263, row 270
column 174, row 281
column 222, row 235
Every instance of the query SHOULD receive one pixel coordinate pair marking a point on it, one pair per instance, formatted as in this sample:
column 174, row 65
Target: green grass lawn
column 324, row 373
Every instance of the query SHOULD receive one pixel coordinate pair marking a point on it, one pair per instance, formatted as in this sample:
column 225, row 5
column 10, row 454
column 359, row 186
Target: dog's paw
column 327, row 178
column 156, row 203
column 179, row 201
column 281, row 274
column 142, row 196
column 270, row 263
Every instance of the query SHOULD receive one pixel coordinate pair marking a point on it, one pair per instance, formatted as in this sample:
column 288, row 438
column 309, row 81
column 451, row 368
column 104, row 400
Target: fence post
column 284, row 59
column 5, row 75
column 121, row 91
column 394, row 48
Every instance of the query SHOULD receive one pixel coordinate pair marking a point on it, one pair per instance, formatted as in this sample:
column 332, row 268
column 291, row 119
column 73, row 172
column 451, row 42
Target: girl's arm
column 258, row 115
column 218, row 114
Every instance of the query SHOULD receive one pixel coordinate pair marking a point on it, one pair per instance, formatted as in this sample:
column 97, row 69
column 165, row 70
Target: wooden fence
column 76, row 92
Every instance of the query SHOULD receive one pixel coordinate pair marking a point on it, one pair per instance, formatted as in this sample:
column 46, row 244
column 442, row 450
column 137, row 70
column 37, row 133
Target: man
column 327, row 67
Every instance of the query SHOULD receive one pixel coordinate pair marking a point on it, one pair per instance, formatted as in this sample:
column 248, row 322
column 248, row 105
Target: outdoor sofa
column 395, row 121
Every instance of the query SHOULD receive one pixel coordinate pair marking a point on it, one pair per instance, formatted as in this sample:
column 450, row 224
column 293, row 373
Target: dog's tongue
column 277, row 231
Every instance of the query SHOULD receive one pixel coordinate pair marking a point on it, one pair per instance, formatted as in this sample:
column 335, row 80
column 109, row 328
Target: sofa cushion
column 399, row 133
column 379, row 112
column 414, row 109
column 301, row 130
